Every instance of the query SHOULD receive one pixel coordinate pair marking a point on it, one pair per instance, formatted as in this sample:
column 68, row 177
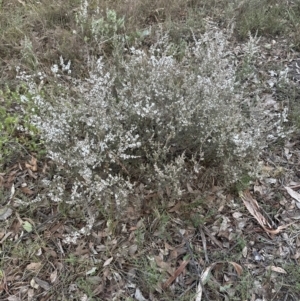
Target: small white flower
column 54, row 68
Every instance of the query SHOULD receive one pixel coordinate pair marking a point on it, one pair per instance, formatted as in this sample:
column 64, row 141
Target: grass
column 33, row 36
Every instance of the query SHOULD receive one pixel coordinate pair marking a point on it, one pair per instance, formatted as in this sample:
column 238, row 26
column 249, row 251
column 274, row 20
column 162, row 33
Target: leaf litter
column 203, row 250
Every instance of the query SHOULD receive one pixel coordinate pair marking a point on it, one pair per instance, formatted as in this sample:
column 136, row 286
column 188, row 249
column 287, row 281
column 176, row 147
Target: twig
column 197, row 269
column 212, row 238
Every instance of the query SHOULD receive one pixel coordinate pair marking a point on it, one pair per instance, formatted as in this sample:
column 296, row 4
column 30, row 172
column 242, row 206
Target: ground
column 217, row 243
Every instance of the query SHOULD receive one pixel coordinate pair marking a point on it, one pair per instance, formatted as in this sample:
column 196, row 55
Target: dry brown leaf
column 27, row 191
column 31, row 174
column 5, row 212
column 176, row 273
column 276, row 269
column 34, row 266
column 132, row 249
column 50, row 252
column 206, row 273
column 32, row 164
column 99, row 289
column 33, row 284
column 108, row 261
column 12, row 191
column 45, row 167
column 53, row 276
column 294, row 194
column 214, row 240
column 43, row 284
column 31, row 293
column 12, row 176
column 259, row 188
column 254, row 209
column 176, row 208
column 168, row 247
column 173, row 254
column 237, row 267
column 163, row 265
column 237, row 215
column 81, row 249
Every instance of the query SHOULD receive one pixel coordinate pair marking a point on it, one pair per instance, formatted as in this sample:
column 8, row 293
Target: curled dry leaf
column 43, row 284
column 254, row 209
column 294, row 194
column 276, row 269
column 108, row 261
column 33, row 284
column 138, row 295
column 91, row 271
column 31, row 174
column 237, row 267
column 12, row 191
column 237, row 215
column 53, row 276
column 32, row 164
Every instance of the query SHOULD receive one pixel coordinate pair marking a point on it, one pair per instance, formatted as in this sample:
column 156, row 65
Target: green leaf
column 27, row 226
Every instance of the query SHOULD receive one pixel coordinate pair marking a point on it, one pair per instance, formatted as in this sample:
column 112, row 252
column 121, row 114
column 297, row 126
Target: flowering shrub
column 154, row 120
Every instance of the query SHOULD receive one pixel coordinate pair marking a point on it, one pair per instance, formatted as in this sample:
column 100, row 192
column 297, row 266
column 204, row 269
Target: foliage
column 153, row 119
column 15, row 126
column 261, row 17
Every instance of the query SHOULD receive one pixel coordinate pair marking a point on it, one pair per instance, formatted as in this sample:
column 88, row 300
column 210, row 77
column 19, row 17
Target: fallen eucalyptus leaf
column 5, row 212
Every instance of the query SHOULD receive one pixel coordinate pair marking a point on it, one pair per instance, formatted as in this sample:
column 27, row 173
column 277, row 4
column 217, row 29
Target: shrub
column 154, row 120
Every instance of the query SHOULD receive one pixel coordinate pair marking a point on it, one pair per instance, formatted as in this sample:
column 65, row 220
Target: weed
column 151, row 277
column 294, row 278
column 243, row 287
column 85, row 287
column 26, row 252
column 140, row 236
column 261, row 17
column 242, row 184
column 17, row 132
